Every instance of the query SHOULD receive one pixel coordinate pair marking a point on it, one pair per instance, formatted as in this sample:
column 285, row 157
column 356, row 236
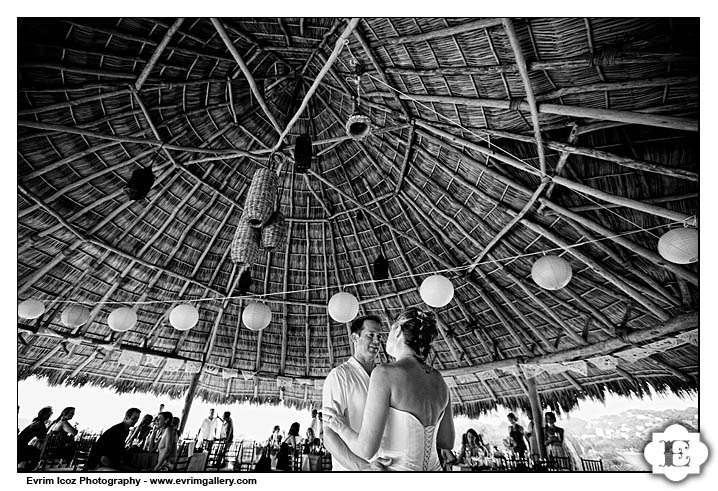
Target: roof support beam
column 441, row 33
column 677, row 324
column 310, row 92
column 245, row 70
column 158, row 52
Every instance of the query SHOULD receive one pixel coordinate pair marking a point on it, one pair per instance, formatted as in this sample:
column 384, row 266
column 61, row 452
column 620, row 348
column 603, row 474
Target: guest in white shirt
column 211, row 426
column 314, row 423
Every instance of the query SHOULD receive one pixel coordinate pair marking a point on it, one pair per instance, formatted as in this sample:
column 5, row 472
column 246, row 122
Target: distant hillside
column 619, row 439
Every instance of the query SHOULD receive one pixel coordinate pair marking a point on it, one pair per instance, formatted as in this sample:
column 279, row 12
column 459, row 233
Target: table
column 143, row 460
column 311, row 463
column 198, row 461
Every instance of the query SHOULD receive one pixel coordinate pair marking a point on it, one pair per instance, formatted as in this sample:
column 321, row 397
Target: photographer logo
column 676, row 453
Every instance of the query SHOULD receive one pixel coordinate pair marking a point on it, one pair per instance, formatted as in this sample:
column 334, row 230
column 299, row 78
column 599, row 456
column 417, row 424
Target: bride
column 408, row 408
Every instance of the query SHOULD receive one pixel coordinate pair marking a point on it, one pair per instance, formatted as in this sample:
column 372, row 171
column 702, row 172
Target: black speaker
column 303, row 154
column 140, row 183
column 381, row 268
column 245, row 281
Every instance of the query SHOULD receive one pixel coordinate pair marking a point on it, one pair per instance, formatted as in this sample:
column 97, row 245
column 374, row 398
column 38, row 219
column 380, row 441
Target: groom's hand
column 379, row 465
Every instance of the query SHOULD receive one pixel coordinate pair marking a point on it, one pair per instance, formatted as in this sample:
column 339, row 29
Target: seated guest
column 153, row 439
column 139, row 433
column 37, row 429
column 167, row 447
column 293, row 439
column 447, row 459
column 283, row 460
column 470, row 447
column 308, row 444
column 109, row 450
column 66, row 433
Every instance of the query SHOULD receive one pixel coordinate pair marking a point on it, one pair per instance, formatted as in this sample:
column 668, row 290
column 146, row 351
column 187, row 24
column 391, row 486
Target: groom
column 345, row 391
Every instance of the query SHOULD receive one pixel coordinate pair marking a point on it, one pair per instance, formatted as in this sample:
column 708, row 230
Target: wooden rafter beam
column 245, row 70
column 158, row 52
column 441, row 33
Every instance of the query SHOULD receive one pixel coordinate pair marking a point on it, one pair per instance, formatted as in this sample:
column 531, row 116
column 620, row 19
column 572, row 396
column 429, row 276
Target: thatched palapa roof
column 494, row 141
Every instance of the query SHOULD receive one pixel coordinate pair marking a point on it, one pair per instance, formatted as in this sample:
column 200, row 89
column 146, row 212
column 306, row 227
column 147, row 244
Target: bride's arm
column 366, row 442
column 446, row 436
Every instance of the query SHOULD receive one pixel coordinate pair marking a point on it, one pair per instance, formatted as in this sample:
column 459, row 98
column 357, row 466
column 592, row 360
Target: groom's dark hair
column 359, row 322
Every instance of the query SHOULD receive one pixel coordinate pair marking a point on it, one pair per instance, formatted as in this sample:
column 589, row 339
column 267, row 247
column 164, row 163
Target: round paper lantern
column 184, row 317
column 436, row 290
column 256, row 316
column 30, row 309
column 679, row 245
column 551, row 272
column 122, row 319
column 75, row 315
column 343, row 307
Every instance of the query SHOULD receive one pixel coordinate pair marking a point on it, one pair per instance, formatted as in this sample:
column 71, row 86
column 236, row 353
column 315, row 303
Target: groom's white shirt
column 345, row 390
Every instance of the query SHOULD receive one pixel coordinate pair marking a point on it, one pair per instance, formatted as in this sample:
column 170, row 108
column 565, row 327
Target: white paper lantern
column 184, row 317
column 679, row 245
column 256, row 316
column 551, row 272
column 75, row 315
column 343, row 307
column 436, row 290
column 122, row 319
column 30, row 309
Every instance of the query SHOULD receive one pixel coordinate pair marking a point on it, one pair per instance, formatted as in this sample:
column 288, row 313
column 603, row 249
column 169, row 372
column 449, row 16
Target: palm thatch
column 493, row 141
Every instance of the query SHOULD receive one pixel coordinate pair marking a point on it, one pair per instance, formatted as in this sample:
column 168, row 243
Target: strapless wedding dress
column 410, row 445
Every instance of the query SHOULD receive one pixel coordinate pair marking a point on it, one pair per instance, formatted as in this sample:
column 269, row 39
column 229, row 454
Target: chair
column 183, row 457
column 592, row 465
column 231, row 453
column 82, row 451
column 559, row 464
column 326, row 462
column 245, row 462
column 517, row 465
column 53, row 451
column 214, row 459
column 297, row 459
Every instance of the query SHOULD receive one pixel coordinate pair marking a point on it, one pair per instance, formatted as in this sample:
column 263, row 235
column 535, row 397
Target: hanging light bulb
column 679, row 246
column 122, row 319
column 551, row 272
column 30, row 309
column 436, row 290
column 358, row 126
column 343, row 307
column 75, row 315
column 184, row 317
column 256, row 316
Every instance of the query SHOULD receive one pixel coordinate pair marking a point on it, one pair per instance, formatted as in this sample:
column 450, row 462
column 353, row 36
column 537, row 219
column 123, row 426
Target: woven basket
column 245, row 244
column 274, row 232
column 261, row 197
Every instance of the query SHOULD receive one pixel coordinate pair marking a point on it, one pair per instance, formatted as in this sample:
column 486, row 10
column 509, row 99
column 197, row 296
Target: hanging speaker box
column 303, row 154
column 140, row 183
column 245, row 281
column 381, row 268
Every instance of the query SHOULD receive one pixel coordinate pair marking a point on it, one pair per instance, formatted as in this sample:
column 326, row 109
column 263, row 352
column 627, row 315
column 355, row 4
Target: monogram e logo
column 676, row 453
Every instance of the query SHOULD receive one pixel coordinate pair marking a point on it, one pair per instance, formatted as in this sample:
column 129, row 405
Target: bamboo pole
column 674, row 325
column 189, row 398
column 660, row 199
column 158, row 52
column 616, row 115
column 537, row 417
column 245, row 70
column 440, row 33
column 335, row 254
column 307, row 337
column 569, row 63
column 405, row 161
column 367, row 49
column 310, row 92
column 285, row 321
column 330, row 345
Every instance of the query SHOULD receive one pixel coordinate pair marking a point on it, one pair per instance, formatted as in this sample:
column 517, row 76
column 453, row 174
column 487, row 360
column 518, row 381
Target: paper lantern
column 343, row 307
column 551, row 272
column 122, row 319
column 75, row 315
column 679, row 245
column 436, row 290
column 245, row 244
column 256, row 316
column 184, row 317
column 30, row 309
column 261, row 197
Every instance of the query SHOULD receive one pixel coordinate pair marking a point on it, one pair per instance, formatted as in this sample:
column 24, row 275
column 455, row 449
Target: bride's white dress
column 410, row 444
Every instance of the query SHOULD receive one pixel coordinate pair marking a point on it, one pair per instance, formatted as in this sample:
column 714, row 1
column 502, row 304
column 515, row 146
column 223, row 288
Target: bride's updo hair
column 419, row 330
